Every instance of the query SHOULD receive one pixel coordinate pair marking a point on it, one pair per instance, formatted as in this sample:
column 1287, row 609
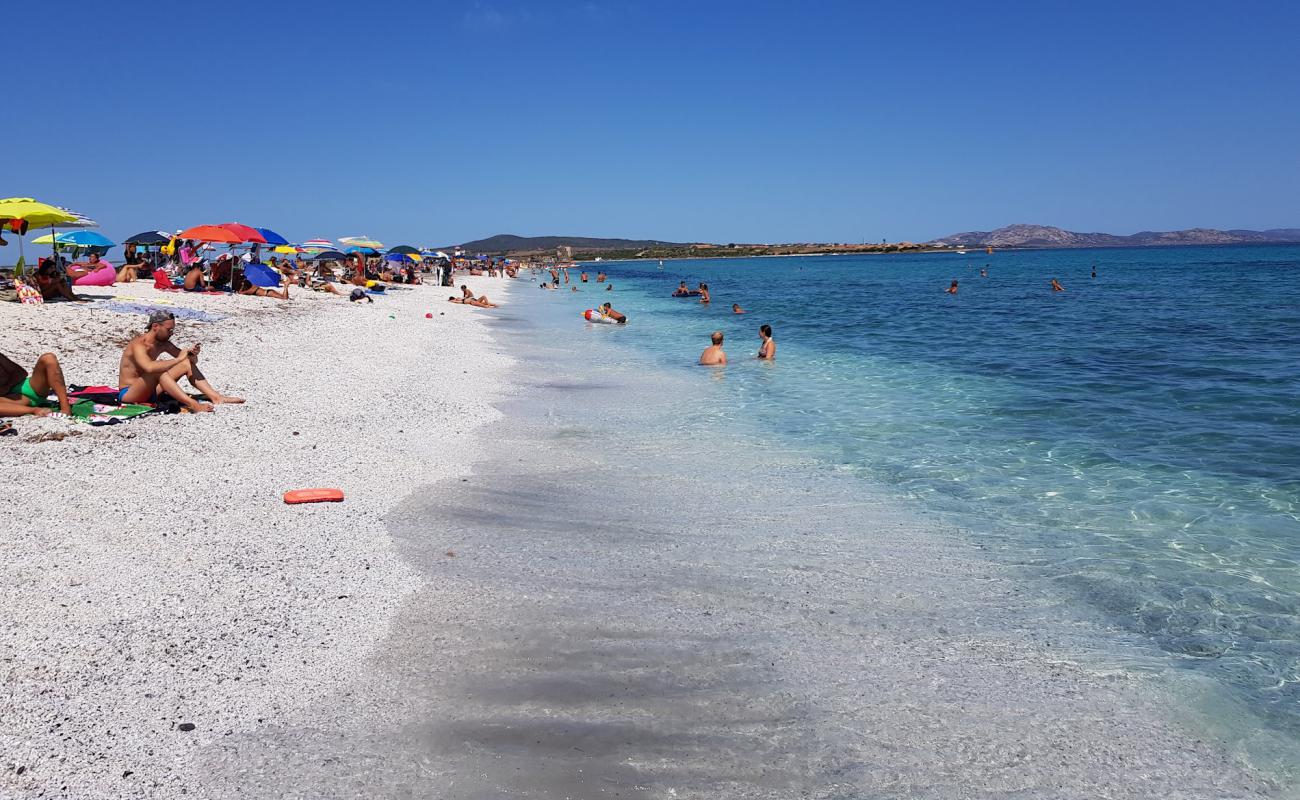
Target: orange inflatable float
column 313, row 496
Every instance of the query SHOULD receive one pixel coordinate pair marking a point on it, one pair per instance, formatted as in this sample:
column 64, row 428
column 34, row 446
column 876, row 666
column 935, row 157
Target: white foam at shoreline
column 152, row 575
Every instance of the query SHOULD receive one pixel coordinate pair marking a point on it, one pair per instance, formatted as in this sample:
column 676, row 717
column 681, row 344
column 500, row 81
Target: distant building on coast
column 564, row 253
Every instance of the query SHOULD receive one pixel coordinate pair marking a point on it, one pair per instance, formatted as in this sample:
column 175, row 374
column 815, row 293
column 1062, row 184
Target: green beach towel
column 100, row 414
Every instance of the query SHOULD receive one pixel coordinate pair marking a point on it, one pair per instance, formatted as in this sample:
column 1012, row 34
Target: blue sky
column 441, row 122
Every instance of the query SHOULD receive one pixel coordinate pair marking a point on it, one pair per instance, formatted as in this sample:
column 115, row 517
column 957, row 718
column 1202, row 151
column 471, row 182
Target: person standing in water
column 713, row 356
column 952, row 289
column 767, row 350
column 1094, row 270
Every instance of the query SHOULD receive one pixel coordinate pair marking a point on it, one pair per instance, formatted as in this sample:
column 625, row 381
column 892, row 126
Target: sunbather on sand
column 248, row 288
column 194, row 280
column 22, row 394
column 52, row 285
column 141, row 374
column 477, row 302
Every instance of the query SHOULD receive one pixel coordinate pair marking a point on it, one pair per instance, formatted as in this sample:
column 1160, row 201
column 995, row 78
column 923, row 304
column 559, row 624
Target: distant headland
column 1009, row 237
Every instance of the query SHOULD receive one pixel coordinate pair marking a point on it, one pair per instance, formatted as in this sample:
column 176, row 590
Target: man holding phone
column 141, row 374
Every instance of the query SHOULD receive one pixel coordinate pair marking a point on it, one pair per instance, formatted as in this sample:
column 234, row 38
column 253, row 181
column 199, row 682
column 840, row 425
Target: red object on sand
column 210, row 233
column 429, row 315
column 161, row 281
column 245, row 233
column 297, row 496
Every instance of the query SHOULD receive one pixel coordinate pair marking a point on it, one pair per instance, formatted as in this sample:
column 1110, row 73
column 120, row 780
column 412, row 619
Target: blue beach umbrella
column 370, row 251
column 399, row 257
column 272, row 238
column 261, row 275
column 80, row 238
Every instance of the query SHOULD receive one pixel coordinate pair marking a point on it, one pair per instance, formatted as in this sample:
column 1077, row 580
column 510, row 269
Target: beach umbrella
column 244, row 232
column 286, row 249
column 370, row 251
column 210, row 233
column 399, row 257
column 404, row 248
column 329, row 255
column 36, row 214
column 261, row 275
column 272, row 237
column 317, row 245
column 362, row 241
column 78, row 238
column 148, row 239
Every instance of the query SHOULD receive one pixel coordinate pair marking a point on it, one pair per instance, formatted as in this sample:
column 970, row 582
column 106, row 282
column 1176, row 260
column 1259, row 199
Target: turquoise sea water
column 1133, row 442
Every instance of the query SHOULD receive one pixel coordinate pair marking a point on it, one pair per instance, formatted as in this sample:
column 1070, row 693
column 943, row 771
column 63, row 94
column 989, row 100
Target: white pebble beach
column 152, row 575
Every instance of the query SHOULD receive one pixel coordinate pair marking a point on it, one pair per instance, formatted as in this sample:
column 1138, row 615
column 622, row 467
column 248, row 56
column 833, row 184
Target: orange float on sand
column 313, row 496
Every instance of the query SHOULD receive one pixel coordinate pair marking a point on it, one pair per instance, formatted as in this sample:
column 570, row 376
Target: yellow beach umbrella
column 285, row 249
column 36, row 214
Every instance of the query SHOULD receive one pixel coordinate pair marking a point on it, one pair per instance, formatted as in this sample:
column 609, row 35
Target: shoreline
column 157, row 578
column 632, row 653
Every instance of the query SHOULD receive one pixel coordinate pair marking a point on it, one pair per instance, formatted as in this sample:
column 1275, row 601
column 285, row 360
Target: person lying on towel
column 22, row 394
column 144, row 378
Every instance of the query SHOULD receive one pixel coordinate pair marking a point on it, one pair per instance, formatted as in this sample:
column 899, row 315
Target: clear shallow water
column 1134, row 440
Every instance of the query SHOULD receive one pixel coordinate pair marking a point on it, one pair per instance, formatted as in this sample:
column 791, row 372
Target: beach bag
column 28, row 295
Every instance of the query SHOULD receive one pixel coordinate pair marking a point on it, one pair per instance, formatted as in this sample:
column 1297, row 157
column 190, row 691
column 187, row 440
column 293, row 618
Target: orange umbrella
column 210, row 233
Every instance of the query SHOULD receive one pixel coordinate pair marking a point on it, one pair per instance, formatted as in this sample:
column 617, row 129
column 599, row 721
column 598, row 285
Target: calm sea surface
column 1133, row 441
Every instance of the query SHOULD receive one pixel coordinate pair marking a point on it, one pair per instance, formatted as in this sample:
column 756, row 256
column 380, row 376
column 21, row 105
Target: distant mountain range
column 508, row 243
column 1047, row 236
column 1012, row 236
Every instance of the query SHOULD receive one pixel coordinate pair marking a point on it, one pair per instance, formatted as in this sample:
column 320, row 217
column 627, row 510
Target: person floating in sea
column 713, row 355
column 1094, row 270
column 766, row 351
column 704, row 293
column 1056, row 286
column 984, row 271
column 609, row 311
column 141, row 373
column 952, row 289
column 736, row 309
column 609, row 287
column 22, row 394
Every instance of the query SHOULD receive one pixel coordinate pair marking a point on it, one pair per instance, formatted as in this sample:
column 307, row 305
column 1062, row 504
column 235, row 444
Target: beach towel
column 180, row 312
column 28, row 295
column 95, row 394
column 108, row 414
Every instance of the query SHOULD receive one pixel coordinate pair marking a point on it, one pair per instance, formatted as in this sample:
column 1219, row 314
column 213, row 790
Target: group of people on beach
column 144, row 376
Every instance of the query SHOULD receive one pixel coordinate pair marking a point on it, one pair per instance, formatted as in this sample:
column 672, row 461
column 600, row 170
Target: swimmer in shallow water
column 952, row 289
column 736, row 309
column 766, row 351
column 1056, row 286
column 713, row 355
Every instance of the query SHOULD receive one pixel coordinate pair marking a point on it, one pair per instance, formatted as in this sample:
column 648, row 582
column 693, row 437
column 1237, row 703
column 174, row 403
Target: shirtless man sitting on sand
column 141, row 374
column 713, row 355
column 22, row 394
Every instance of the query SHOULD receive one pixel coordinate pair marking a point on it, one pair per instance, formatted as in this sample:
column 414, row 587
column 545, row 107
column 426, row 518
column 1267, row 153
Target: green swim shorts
column 27, row 391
